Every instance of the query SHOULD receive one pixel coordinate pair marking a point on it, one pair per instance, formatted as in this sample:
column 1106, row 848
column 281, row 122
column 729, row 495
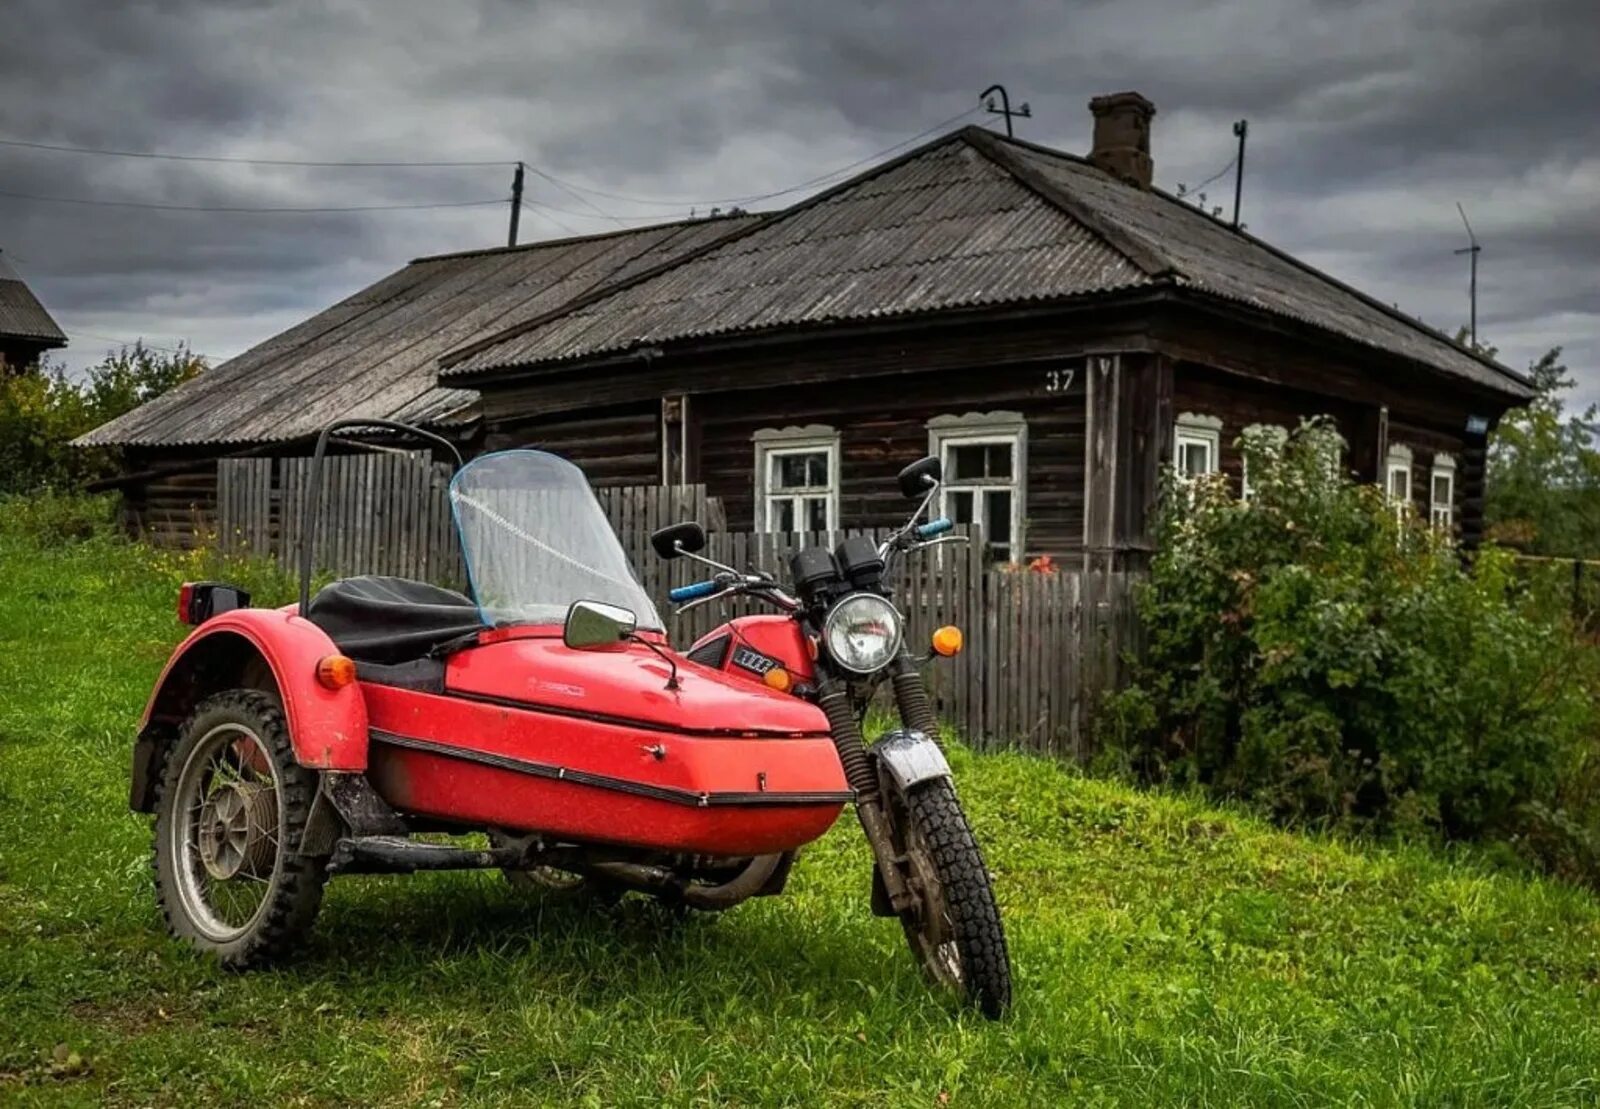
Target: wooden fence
column 1041, row 648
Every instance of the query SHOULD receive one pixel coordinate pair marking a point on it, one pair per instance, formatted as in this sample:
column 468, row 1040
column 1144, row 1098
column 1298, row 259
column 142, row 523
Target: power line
column 63, row 149
column 1189, row 189
column 246, row 209
column 753, row 197
column 574, row 193
column 540, row 210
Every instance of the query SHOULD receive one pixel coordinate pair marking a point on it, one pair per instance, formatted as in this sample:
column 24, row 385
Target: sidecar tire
column 935, row 814
column 294, row 886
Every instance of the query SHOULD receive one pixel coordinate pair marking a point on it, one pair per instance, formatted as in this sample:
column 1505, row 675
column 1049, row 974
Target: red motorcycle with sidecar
column 548, row 710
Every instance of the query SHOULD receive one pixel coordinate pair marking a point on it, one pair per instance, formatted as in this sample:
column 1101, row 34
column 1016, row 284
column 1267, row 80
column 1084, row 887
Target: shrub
column 43, row 410
column 1322, row 655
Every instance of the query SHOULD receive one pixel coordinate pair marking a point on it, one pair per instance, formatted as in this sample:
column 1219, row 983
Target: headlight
column 862, row 633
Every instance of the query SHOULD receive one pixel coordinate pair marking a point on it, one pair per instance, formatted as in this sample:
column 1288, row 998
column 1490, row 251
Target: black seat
column 391, row 620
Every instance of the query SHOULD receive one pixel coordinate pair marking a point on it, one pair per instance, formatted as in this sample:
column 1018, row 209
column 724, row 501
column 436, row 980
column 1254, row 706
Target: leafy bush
column 42, row 411
column 1320, row 654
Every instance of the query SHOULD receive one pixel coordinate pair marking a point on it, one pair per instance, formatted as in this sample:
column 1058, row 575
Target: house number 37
column 1058, row 381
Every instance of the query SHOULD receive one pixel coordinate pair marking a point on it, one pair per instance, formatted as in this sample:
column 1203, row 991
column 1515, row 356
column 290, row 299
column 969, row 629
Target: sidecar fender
column 911, row 758
column 270, row 649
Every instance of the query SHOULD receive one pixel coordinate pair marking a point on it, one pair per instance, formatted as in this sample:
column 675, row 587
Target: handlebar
column 934, row 527
column 693, row 590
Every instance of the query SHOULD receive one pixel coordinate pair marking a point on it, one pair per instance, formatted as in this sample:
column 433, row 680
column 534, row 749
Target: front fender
column 911, row 758
column 328, row 727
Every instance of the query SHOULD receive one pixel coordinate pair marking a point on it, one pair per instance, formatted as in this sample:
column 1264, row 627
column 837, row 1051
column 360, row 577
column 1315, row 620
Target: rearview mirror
column 673, row 540
column 922, row 475
column 595, row 624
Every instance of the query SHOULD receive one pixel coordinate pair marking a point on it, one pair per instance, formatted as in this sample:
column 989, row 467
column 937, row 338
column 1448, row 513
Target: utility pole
column 1023, row 112
column 516, row 205
column 1241, row 129
column 1472, row 284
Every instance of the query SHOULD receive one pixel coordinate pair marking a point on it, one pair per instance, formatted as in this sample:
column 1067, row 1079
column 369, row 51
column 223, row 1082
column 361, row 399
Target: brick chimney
column 1122, row 136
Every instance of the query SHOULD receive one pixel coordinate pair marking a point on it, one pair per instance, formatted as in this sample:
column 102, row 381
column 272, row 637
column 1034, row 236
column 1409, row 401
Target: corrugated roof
column 946, row 229
column 970, row 219
column 376, row 353
column 1207, row 255
column 21, row 314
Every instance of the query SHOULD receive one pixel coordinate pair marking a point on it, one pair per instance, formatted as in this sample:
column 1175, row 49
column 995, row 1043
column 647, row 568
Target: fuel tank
column 749, row 646
column 591, row 747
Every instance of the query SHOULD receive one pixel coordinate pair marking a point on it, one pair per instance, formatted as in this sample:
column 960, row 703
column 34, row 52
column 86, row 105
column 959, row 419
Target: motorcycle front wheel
column 954, row 927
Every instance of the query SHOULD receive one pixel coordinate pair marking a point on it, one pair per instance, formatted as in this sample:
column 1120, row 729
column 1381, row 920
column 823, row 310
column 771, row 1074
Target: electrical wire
column 246, row 209
column 1231, row 163
column 753, row 197
column 533, row 208
column 64, row 149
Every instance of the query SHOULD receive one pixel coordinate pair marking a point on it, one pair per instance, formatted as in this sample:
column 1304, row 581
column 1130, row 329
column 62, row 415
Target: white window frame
column 1195, row 429
column 1442, row 515
column 1398, row 461
column 1278, row 432
column 979, row 429
column 773, row 443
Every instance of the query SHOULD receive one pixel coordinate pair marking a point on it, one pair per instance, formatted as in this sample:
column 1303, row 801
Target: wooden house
column 373, row 354
column 1051, row 325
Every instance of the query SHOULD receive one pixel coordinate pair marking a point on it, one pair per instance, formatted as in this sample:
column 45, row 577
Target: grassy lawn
column 1165, row 952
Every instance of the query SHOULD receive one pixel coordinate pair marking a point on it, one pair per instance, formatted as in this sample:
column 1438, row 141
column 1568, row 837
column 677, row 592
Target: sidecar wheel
column 955, row 930
column 231, row 802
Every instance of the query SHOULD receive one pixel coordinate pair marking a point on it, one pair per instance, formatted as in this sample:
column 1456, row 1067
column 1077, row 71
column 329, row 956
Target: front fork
column 916, row 713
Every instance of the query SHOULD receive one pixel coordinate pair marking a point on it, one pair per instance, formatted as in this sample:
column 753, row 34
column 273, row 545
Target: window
column 1442, row 493
column 1197, row 445
column 1271, row 434
column 984, row 456
column 1397, row 477
column 797, row 479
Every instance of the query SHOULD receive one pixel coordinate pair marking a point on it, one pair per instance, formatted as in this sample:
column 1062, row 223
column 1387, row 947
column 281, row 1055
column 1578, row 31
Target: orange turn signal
column 777, row 678
column 335, row 671
column 947, row 641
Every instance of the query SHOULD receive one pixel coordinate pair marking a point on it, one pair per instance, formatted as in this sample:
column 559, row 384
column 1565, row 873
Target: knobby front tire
column 971, row 956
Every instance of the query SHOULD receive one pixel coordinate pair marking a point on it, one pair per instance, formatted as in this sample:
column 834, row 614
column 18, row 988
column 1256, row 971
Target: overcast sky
column 1369, row 120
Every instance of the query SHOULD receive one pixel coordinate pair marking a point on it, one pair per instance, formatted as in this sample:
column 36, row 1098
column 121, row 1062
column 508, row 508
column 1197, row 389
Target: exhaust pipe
column 712, row 899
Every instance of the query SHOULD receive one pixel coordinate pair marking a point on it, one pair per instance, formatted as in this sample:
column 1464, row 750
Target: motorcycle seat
column 389, row 620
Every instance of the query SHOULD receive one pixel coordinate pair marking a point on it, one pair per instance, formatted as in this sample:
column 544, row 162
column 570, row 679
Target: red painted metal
column 762, row 771
column 775, row 636
column 628, row 681
column 719, row 765
column 327, row 726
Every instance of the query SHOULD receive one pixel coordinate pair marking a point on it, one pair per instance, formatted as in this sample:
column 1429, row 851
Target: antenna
column 1472, row 286
column 1023, row 111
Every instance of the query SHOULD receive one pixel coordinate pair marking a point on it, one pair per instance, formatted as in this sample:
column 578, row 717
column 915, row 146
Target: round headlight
column 862, row 633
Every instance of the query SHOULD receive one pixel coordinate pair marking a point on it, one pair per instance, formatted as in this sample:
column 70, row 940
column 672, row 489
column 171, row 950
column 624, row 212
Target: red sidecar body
column 476, row 713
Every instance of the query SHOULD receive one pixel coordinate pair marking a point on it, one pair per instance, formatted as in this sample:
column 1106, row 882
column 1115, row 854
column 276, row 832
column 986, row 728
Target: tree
column 1543, row 485
column 41, row 413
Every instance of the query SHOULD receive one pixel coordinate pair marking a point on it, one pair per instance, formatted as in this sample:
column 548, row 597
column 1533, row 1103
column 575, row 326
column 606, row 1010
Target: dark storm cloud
column 1369, row 120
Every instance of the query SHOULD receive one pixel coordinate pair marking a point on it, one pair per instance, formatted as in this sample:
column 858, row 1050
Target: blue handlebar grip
column 934, row 527
column 690, row 592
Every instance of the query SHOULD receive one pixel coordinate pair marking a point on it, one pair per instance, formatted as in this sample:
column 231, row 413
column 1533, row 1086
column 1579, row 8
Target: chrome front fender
column 910, row 758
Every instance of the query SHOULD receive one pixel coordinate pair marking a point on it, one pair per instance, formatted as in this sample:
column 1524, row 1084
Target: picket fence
column 1041, row 648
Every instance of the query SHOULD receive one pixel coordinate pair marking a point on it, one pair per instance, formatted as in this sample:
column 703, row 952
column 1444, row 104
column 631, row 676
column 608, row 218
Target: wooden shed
column 26, row 329
column 1051, row 325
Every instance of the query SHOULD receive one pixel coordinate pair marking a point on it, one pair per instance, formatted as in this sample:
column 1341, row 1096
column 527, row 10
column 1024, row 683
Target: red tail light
column 186, row 603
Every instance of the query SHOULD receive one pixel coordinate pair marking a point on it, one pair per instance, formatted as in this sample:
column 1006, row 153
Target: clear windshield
column 535, row 540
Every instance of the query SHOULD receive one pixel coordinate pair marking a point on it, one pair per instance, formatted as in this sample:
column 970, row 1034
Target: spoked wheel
column 233, row 803
column 954, row 927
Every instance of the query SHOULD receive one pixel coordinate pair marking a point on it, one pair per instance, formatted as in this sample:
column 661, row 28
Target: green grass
column 1165, row 952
